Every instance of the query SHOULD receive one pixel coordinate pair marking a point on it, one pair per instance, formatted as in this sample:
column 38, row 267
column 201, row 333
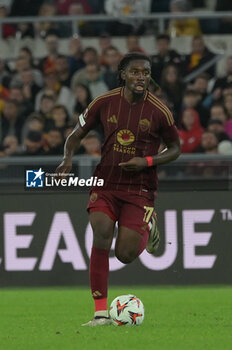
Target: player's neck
column 131, row 97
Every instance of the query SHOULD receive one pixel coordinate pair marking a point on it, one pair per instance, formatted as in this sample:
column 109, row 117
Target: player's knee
column 125, row 256
column 102, row 238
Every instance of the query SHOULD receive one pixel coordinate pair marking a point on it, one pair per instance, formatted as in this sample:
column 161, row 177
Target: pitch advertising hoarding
column 45, row 239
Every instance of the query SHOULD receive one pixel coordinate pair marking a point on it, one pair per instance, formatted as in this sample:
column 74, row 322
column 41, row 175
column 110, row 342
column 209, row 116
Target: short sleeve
column 168, row 130
column 90, row 118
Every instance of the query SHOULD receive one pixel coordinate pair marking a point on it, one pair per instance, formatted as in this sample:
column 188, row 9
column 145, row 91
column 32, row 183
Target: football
column 127, row 310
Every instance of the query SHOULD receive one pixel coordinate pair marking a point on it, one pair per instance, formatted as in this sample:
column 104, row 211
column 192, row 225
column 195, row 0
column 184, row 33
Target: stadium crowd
column 40, row 100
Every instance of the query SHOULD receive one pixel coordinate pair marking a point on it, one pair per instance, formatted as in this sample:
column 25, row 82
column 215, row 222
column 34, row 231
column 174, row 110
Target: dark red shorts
column 129, row 209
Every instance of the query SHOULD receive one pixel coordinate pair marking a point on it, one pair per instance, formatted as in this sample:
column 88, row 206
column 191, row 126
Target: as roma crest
column 144, row 124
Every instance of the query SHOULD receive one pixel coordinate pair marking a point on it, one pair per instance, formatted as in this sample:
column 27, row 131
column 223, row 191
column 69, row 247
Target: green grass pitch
column 176, row 318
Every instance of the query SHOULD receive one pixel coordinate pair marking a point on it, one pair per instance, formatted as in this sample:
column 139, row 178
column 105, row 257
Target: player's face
column 137, row 76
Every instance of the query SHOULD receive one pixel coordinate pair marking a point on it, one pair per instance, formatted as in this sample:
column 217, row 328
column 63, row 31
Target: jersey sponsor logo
column 121, row 149
column 112, row 119
column 93, row 197
column 82, row 117
column 144, row 124
column 125, row 137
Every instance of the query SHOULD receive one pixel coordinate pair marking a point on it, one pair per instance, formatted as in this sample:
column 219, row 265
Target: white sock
column 103, row 313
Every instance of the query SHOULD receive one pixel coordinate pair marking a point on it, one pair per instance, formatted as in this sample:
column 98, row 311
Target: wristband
column 149, row 161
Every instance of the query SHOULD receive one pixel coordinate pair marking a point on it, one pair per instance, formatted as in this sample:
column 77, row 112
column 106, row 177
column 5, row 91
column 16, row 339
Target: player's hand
column 64, row 168
column 134, row 164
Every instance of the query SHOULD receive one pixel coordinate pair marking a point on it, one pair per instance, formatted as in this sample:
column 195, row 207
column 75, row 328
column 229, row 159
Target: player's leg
column 129, row 244
column 135, row 224
column 154, row 237
column 103, row 231
column 102, row 218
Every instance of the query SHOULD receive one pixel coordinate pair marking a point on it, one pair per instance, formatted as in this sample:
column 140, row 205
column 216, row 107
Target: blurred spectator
column 227, row 90
column 43, row 29
column 201, row 85
column 10, row 121
column 133, row 45
column 199, row 56
column 209, row 143
column 186, row 26
column 83, row 98
column 228, row 128
column 191, row 131
column 218, row 112
column 76, row 8
column 75, row 54
column 4, row 83
column 91, row 143
column 54, row 142
column 120, row 8
column 29, row 86
column 25, row 7
column 62, row 94
column 21, row 64
column 47, row 103
column 110, row 76
column 94, row 80
column 47, row 64
column 24, row 62
column 26, row 53
column 4, row 94
column 225, row 24
column 8, row 30
column 164, row 56
column 225, row 148
column 228, row 105
column 104, row 42
column 90, row 55
column 62, row 70
column 59, row 117
column 4, row 74
column 10, row 145
column 223, row 82
column 63, row 6
column 192, row 99
column 35, row 121
column 216, row 126
column 33, row 144
column 24, row 30
column 25, row 106
column 173, row 87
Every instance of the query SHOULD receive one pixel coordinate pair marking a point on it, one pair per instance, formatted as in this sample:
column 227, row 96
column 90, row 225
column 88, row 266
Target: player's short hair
column 127, row 59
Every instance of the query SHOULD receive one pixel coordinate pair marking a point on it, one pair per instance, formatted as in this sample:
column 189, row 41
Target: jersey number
column 148, row 213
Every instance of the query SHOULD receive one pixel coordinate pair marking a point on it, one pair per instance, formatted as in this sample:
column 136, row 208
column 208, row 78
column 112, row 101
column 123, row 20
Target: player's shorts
column 129, row 209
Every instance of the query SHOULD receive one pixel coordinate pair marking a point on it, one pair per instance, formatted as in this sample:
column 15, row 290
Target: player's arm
column 87, row 121
column 72, row 143
column 169, row 154
column 170, row 136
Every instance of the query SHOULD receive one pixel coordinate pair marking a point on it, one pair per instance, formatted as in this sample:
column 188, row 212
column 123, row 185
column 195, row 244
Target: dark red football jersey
column 130, row 130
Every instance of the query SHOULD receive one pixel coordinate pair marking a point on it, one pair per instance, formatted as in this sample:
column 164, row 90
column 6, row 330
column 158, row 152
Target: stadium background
column 45, row 237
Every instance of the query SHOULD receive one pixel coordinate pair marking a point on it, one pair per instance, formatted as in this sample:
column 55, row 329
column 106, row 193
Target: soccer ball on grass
column 127, row 310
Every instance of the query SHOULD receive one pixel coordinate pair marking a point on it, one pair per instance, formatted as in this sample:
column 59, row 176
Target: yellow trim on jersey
column 107, row 94
column 163, row 108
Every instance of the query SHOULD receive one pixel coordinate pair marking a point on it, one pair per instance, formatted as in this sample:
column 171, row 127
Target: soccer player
column 134, row 121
